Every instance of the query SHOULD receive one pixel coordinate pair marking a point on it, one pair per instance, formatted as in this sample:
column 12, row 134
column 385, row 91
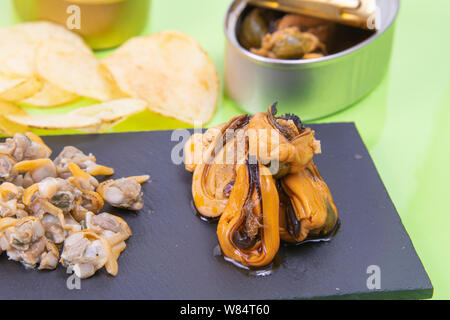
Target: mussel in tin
column 254, row 28
column 290, row 43
column 272, row 33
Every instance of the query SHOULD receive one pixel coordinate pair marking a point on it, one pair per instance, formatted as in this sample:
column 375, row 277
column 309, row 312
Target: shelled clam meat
column 50, row 211
column 256, row 174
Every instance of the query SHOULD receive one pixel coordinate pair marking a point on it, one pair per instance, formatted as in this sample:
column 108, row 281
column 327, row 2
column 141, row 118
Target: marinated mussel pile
column 256, row 175
column 290, row 36
column 48, row 207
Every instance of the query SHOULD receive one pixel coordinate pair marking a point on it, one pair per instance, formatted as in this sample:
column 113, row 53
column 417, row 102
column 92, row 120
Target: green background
column 404, row 121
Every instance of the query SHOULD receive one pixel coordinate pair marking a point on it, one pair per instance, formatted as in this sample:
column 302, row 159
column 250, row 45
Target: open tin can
column 103, row 23
column 311, row 88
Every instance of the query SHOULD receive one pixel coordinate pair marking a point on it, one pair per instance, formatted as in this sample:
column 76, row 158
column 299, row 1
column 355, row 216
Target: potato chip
column 14, row 89
column 50, row 96
column 8, row 83
column 7, row 127
column 112, row 111
column 17, row 54
column 94, row 118
column 171, row 72
column 54, row 122
column 19, row 44
column 43, row 31
column 73, row 70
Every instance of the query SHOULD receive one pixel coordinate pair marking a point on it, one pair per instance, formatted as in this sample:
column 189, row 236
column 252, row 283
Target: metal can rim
column 239, row 5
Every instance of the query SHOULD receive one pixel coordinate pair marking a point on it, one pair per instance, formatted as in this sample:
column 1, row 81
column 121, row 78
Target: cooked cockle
column 81, row 179
column 7, row 164
column 90, row 199
column 87, row 252
column 53, row 228
column 29, row 172
column 124, row 193
column 11, row 204
column 214, row 175
column 24, row 241
column 45, row 205
column 73, row 196
column 282, row 143
column 85, row 162
column 58, row 198
column 26, row 146
column 307, row 209
column 110, row 227
column 248, row 229
column 56, row 191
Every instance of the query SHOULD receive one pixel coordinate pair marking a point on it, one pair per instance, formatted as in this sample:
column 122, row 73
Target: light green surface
column 404, row 122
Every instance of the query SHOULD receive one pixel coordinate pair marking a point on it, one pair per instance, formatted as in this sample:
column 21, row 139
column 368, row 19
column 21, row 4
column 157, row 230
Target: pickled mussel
column 248, row 229
column 282, row 143
column 271, row 190
column 307, row 209
column 215, row 173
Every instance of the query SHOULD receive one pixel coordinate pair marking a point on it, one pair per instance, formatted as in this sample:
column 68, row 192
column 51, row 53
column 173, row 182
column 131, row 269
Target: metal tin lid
column 356, row 13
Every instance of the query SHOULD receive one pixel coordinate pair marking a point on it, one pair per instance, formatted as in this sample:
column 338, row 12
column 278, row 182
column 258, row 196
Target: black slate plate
column 170, row 255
